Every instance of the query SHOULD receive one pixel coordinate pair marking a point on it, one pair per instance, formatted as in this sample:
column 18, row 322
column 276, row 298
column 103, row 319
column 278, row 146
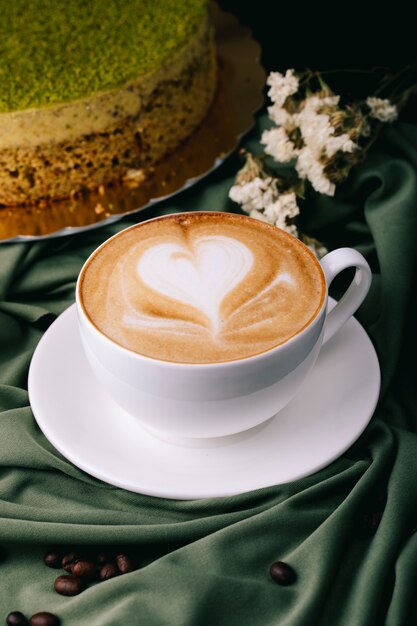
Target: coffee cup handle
column 332, row 264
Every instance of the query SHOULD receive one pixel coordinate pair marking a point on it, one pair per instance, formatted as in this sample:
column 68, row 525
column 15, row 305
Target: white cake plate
column 332, row 409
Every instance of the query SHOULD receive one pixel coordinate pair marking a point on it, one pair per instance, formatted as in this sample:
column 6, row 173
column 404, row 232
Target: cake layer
column 56, row 150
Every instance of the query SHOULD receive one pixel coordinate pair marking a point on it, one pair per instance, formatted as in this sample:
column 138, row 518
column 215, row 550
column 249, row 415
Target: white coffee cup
column 186, row 402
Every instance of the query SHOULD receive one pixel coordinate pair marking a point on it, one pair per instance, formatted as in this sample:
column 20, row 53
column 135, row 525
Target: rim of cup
column 179, row 364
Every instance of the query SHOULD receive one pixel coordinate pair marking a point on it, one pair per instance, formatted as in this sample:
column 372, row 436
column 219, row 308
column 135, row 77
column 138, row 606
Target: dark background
column 342, row 36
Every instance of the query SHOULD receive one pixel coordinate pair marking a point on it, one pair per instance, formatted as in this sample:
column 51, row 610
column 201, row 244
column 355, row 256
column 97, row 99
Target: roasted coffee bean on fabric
column 53, row 559
column 44, row 619
column 124, row 563
column 69, row 585
column 69, row 559
column 108, row 570
column 85, row 569
column 16, row 618
column 282, row 573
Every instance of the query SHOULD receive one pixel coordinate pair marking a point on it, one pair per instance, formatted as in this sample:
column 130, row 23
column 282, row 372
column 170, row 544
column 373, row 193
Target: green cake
column 92, row 89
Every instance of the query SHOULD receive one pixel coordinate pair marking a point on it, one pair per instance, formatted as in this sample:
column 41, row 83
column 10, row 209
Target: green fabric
column 206, row 562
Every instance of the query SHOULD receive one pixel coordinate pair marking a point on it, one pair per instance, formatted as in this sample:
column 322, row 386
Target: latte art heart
column 202, row 287
column 200, row 277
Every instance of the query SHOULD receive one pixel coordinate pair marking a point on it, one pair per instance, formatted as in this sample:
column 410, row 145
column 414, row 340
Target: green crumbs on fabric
column 54, row 51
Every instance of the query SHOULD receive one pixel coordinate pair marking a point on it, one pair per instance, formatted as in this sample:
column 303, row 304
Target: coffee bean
column 16, row 618
column 282, row 573
column 85, row 569
column 69, row 585
column 44, row 619
column 124, row 564
column 108, row 570
column 53, row 559
column 69, row 559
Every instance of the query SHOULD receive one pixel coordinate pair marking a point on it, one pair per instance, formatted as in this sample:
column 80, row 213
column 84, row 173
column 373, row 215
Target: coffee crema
column 201, row 287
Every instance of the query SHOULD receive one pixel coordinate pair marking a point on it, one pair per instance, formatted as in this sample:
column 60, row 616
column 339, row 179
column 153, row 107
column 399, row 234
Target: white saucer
column 332, row 409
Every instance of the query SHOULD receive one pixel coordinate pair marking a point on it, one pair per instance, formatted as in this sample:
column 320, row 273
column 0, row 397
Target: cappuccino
column 201, row 287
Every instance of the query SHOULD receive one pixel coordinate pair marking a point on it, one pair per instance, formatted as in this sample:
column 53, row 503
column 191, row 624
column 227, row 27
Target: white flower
column 285, row 204
column 318, row 133
column 248, row 194
column 289, row 204
column 340, row 143
column 278, row 145
column 382, row 109
column 255, row 194
column 289, row 228
column 270, row 192
column 315, row 128
column 258, row 215
column 279, row 115
column 314, row 103
column 279, row 212
column 308, row 166
column 283, row 209
column 282, row 86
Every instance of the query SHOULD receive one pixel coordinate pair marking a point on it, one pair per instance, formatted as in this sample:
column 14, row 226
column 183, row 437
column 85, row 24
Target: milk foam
column 197, row 289
column 199, row 276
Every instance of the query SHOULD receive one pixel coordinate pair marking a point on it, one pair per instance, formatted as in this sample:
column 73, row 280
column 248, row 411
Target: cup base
column 207, row 442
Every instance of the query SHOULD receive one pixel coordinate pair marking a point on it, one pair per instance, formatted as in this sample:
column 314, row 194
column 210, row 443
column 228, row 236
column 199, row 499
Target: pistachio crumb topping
column 54, row 51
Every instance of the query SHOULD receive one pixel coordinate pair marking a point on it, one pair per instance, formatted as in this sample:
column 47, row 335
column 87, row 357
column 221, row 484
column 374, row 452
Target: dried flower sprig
column 319, row 136
column 266, row 197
